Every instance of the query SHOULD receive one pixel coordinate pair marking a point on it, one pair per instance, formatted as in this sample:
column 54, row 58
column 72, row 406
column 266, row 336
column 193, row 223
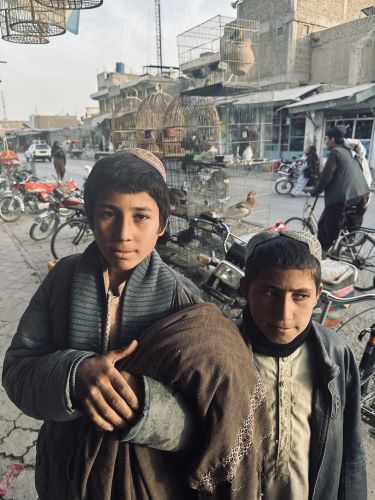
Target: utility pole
column 159, row 53
column 3, row 106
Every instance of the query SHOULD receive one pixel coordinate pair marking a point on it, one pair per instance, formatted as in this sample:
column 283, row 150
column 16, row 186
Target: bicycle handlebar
column 328, row 297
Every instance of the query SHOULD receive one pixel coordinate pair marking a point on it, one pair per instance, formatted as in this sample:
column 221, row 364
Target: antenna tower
column 159, row 54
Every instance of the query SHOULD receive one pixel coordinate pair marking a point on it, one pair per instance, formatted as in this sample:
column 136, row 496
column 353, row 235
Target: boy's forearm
column 166, row 422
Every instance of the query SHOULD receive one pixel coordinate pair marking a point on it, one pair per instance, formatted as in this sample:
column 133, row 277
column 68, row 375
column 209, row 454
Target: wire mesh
column 240, row 195
column 221, row 50
column 10, row 35
column 124, row 122
column 31, row 18
column 149, row 121
column 70, row 4
column 190, row 125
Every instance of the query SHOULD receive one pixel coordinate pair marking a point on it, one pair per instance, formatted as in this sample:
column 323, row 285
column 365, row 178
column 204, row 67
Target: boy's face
column 126, row 228
column 281, row 302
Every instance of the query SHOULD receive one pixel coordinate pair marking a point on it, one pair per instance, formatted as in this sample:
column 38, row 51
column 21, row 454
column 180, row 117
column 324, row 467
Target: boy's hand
column 106, row 394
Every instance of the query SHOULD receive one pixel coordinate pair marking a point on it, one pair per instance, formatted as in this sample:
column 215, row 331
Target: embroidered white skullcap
column 147, row 156
column 302, row 236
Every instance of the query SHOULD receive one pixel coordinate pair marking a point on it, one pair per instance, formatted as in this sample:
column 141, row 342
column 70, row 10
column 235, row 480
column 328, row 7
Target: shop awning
column 97, row 120
column 348, row 96
column 269, row 96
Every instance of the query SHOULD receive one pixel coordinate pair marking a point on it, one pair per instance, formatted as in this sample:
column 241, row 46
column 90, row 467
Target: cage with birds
column 31, row 18
column 222, row 50
column 190, row 126
column 124, row 121
column 149, row 121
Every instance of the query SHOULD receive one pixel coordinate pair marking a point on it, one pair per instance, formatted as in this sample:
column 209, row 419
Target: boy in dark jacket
column 311, row 378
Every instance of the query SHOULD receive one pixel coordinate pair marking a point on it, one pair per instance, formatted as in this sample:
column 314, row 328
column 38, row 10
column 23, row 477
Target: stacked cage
column 149, row 121
column 124, row 122
column 190, row 125
column 222, row 50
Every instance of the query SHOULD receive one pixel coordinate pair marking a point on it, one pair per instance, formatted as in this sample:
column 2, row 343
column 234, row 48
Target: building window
column 359, row 127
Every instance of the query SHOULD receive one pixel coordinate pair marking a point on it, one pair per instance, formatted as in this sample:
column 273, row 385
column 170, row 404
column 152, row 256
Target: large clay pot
column 239, row 56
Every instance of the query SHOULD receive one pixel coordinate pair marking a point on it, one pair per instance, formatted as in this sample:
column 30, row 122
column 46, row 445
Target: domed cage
column 71, row 4
column 149, row 121
column 190, row 126
column 10, row 35
column 30, row 18
column 124, row 121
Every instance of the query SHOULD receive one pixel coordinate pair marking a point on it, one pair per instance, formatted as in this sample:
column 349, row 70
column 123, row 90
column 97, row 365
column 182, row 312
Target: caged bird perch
column 190, row 126
column 124, row 121
column 223, row 51
column 149, row 121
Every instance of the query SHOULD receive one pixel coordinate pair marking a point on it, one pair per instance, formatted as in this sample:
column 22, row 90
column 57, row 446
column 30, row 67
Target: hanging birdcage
column 223, row 51
column 149, row 121
column 10, row 35
column 195, row 124
column 124, row 122
column 71, row 4
column 31, row 18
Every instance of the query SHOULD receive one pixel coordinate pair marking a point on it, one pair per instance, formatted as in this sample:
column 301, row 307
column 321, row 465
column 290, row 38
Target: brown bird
column 243, row 208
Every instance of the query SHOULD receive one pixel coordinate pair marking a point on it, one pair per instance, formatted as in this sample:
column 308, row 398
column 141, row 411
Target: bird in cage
column 177, row 197
column 243, row 208
column 185, row 236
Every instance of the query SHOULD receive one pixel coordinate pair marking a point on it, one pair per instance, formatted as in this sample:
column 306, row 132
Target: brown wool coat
column 200, row 353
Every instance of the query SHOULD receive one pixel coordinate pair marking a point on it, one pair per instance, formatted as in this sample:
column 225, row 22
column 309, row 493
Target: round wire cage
column 10, row 35
column 124, row 122
column 149, row 121
column 31, row 18
column 195, row 123
column 71, row 4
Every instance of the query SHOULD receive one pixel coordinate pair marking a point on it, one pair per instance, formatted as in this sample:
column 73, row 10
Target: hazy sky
column 58, row 77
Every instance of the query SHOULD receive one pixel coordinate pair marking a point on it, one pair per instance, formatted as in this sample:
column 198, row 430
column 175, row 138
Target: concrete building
column 288, row 30
column 53, row 121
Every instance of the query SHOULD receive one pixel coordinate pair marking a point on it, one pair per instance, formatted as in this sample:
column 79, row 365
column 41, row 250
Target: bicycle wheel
column 10, row 208
column 71, row 237
column 358, row 248
column 299, row 224
column 283, row 186
column 41, row 230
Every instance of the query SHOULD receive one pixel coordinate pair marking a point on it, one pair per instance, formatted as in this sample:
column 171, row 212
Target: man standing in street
column 346, row 191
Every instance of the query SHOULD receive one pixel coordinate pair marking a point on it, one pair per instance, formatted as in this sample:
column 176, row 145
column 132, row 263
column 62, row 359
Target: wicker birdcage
column 30, row 18
column 195, row 124
column 149, row 121
column 10, row 35
column 71, row 4
column 124, row 121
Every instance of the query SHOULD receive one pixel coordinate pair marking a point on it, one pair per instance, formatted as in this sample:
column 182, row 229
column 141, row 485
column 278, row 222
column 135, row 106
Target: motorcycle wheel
column 43, row 229
column 10, row 208
column 283, row 186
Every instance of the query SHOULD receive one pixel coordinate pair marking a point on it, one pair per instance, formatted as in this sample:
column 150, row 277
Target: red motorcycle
column 60, row 204
column 32, row 195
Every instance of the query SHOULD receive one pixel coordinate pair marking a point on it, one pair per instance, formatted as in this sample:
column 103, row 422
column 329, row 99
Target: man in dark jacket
column 346, row 191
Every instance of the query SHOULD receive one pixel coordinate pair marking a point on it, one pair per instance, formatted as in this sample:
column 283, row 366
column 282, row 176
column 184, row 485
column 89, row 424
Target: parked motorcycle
column 289, row 174
column 32, row 195
column 46, row 223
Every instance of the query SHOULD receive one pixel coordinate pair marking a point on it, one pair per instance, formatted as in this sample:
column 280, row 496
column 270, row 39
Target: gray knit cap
column 302, row 236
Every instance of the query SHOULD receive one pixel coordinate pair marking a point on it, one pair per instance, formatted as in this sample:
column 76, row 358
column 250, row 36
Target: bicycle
column 367, row 363
column 355, row 247
column 71, row 237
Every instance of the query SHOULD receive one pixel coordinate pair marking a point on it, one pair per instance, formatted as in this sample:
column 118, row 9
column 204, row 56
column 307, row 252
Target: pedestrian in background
column 309, row 173
column 346, row 191
column 59, row 160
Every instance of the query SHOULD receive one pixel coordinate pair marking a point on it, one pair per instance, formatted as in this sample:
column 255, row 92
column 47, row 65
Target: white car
column 39, row 151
